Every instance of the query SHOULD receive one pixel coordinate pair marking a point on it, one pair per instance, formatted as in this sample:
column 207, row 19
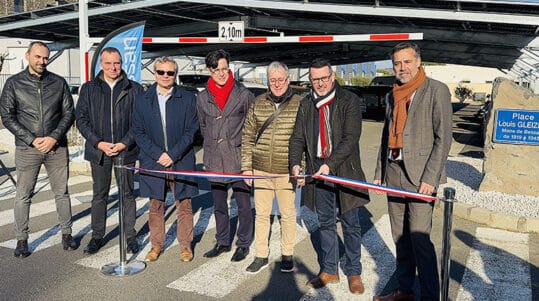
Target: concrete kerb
column 493, row 219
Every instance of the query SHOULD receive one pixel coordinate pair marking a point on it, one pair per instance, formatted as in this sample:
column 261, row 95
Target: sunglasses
column 169, row 73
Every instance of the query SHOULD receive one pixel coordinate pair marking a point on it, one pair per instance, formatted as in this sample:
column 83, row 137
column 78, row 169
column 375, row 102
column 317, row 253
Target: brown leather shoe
column 355, row 284
column 153, row 254
column 396, row 295
column 323, row 279
column 186, row 254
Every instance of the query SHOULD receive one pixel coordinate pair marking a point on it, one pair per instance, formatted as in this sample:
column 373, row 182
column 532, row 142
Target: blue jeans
column 327, row 210
column 28, row 161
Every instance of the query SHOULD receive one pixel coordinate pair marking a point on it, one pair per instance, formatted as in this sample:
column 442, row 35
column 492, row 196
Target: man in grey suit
column 416, row 140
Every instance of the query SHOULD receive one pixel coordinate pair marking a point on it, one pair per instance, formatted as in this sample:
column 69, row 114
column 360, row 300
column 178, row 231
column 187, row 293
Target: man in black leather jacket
column 104, row 118
column 37, row 108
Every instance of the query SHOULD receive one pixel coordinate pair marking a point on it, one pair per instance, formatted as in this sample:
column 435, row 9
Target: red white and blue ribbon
column 375, row 187
column 201, row 174
column 329, row 178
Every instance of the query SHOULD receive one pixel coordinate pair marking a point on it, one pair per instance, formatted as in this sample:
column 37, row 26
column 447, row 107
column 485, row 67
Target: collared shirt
column 162, row 101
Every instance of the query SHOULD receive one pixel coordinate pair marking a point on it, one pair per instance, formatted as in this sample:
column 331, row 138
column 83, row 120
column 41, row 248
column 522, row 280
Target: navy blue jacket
column 182, row 125
column 92, row 121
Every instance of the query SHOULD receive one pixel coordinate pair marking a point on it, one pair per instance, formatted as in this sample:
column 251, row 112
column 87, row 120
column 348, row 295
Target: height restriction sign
column 231, row 31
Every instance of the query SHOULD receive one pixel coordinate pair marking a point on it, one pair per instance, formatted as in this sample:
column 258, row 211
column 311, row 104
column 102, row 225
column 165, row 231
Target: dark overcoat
column 344, row 160
column 181, row 124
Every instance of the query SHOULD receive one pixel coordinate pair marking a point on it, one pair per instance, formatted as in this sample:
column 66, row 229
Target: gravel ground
column 465, row 175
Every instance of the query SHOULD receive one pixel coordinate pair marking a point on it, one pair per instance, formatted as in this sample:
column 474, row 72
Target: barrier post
column 122, row 268
column 448, row 199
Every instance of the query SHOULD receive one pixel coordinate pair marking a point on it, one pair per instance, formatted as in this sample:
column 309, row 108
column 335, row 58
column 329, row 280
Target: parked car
column 74, row 90
column 356, row 90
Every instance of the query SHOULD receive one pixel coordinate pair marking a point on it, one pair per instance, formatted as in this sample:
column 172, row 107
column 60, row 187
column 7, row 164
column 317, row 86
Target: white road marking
column 220, row 268
column 497, row 267
column 49, row 237
column 378, row 262
column 7, row 190
column 45, row 207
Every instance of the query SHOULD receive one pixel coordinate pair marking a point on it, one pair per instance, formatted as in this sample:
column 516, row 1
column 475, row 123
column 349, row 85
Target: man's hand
column 378, row 182
column 107, row 148
column 44, row 144
column 296, row 170
column 426, row 188
column 118, row 147
column 248, row 173
column 165, row 160
column 324, row 169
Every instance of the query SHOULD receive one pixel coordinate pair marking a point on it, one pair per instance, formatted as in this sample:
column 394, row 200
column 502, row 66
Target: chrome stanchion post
column 448, row 199
column 122, row 268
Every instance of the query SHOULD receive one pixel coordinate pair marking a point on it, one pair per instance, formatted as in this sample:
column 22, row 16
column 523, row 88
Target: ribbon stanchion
column 449, row 200
column 122, row 268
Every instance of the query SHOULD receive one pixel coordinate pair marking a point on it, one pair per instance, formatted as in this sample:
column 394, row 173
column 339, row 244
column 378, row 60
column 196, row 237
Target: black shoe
column 258, row 264
column 287, row 264
column 132, row 245
column 22, row 249
column 240, row 254
column 93, row 246
column 68, row 242
column 217, row 250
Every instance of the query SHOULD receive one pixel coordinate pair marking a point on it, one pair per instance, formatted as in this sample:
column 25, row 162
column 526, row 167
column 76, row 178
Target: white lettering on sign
column 521, row 116
column 130, row 56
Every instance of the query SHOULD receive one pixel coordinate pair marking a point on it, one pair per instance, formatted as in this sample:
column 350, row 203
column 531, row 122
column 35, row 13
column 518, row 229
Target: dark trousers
column 101, row 176
column 327, row 210
column 411, row 224
column 242, row 194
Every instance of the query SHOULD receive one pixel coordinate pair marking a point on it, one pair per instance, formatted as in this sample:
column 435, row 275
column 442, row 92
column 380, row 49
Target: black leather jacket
column 91, row 119
column 32, row 107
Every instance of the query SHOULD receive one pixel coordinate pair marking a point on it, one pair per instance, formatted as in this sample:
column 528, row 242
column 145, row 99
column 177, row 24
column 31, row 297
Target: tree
column 3, row 56
column 360, row 81
column 463, row 92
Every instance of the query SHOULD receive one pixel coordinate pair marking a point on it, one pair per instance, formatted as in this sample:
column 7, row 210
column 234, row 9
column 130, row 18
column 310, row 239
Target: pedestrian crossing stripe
column 497, row 266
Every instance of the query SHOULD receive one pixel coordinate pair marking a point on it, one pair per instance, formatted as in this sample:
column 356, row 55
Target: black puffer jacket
column 91, row 119
column 33, row 107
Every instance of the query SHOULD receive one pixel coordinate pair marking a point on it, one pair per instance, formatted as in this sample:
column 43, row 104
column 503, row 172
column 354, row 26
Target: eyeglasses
column 280, row 81
column 324, row 79
column 162, row 72
column 222, row 70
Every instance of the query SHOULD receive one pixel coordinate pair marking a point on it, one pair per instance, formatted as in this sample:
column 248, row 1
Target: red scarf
column 221, row 93
column 402, row 96
column 324, row 131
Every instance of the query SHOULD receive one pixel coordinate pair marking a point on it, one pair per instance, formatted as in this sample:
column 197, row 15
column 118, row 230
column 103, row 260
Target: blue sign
column 516, row 126
column 128, row 40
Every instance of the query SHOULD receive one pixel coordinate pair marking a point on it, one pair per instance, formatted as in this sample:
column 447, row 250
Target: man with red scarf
column 416, row 140
column 222, row 109
column 326, row 133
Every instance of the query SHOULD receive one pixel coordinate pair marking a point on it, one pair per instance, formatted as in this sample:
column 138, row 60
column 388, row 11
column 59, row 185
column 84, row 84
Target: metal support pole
column 123, row 268
column 449, row 199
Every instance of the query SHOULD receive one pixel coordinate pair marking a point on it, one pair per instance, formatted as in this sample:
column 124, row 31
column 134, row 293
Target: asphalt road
column 486, row 264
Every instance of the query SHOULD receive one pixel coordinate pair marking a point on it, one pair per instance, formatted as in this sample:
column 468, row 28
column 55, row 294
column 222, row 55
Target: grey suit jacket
column 427, row 135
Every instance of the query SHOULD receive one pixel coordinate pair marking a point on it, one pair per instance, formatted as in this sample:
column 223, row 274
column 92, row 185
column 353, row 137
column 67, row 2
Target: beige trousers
column 264, row 192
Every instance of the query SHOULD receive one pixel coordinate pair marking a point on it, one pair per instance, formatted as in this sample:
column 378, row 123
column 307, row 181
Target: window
column 18, row 6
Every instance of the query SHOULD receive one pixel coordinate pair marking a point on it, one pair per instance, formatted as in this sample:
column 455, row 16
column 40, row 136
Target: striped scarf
column 322, row 103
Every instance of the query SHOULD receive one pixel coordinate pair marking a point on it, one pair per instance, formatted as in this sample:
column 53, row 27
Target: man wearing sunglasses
column 327, row 131
column 103, row 115
column 164, row 125
column 222, row 109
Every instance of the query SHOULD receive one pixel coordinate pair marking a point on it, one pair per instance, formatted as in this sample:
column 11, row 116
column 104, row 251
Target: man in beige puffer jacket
column 265, row 152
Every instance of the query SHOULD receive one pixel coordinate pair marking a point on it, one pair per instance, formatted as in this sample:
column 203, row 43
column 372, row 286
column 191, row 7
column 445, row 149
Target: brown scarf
column 402, row 96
